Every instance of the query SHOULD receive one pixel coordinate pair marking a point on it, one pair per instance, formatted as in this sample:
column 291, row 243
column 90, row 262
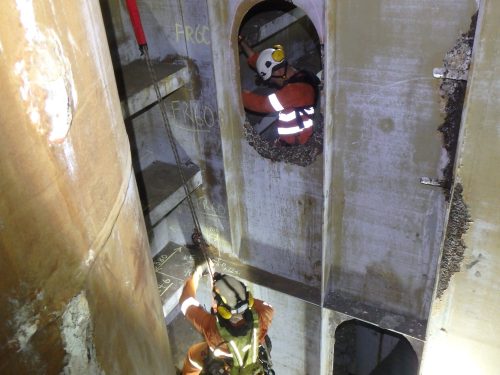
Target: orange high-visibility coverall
column 205, row 323
column 284, row 101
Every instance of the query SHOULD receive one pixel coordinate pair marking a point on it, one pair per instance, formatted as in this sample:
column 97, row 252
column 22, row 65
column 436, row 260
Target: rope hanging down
column 135, row 18
column 171, row 139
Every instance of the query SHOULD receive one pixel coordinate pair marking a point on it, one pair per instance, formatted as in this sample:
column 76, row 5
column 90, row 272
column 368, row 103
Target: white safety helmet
column 231, row 295
column 268, row 60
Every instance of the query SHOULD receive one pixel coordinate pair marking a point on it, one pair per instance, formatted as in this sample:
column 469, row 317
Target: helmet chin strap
column 283, row 76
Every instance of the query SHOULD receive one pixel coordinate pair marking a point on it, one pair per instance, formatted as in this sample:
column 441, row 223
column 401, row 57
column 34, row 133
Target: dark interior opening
column 364, row 349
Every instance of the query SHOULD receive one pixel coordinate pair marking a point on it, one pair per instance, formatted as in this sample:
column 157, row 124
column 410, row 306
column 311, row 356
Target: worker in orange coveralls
column 295, row 96
column 234, row 330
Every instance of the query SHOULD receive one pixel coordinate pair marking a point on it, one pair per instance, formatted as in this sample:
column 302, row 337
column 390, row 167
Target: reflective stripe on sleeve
column 295, row 129
column 188, row 303
column 273, row 99
column 195, row 364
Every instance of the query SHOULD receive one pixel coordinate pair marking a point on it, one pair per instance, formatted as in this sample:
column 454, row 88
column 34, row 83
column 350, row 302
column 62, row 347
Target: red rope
column 135, row 18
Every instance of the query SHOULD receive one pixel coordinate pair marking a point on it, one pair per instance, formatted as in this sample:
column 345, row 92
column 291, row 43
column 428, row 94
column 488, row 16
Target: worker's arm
column 188, row 296
column 266, row 313
column 292, row 95
column 256, row 103
column 190, row 288
column 190, row 307
column 245, row 47
column 251, row 54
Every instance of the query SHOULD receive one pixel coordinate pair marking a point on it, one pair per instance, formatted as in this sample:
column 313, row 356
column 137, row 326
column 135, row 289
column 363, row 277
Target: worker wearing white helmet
column 269, row 60
column 294, row 98
column 233, row 332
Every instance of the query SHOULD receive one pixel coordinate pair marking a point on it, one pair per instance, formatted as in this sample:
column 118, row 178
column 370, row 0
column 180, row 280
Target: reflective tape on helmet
column 273, row 99
column 295, row 129
column 188, row 303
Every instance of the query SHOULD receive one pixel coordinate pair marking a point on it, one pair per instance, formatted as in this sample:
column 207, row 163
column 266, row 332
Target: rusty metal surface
column 72, row 236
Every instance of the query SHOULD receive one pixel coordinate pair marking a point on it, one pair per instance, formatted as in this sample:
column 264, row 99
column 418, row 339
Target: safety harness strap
column 244, row 349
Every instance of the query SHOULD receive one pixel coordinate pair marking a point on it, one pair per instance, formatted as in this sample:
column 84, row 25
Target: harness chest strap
column 244, row 349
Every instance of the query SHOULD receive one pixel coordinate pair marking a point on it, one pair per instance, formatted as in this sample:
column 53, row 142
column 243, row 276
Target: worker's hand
column 242, row 42
column 204, row 267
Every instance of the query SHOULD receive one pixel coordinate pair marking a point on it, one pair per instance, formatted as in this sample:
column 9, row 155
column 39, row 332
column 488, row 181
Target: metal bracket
column 431, row 181
column 455, row 74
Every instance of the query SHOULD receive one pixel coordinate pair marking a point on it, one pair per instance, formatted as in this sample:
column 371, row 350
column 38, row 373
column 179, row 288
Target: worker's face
column 236, row 318
column 277, row 78
column 276, row 82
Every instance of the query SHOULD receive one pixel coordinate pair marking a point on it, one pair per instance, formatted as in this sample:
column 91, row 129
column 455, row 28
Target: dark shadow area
column 281, row 23
column 364, row 349
column 452, row 92
column 107, row 17
column 139, row 84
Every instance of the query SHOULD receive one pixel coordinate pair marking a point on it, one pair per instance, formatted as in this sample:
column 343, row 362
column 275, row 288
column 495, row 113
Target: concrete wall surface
column 275, row 209
column 78, row 294
column 178, row 32
column 356, row 223
column 463, row 332
column 383, row 228
column 295, row 332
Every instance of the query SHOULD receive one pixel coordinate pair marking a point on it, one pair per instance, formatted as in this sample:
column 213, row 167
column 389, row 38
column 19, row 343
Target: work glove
column 202, row 254
column 203, row 266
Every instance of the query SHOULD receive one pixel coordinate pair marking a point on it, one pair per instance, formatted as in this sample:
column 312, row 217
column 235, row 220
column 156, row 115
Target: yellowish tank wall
column 78, row 292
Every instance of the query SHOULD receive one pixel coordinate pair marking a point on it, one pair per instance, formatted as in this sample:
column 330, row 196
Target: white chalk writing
column 198, row 34
column 200, row 116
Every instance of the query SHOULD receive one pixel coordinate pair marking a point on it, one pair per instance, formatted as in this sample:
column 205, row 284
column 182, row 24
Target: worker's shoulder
column 199, row 314
column 260, row 305
column 297, row 87
column 296, row 94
